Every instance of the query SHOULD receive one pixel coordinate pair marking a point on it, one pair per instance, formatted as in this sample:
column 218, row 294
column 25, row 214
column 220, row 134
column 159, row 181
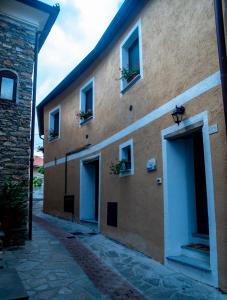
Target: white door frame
column 209, row 185
column 82, row 161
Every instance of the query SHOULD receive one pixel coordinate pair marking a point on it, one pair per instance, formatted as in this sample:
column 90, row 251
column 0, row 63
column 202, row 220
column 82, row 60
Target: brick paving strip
column 106, row 280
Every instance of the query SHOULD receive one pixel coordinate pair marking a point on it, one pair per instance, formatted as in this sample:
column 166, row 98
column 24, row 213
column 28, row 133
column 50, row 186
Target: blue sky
column 78, row 28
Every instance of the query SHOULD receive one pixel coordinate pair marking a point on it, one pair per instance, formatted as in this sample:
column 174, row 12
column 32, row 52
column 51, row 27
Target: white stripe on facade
column 195, row 91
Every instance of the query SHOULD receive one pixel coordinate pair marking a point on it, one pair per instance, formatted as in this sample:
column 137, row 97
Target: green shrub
column 13, row 204
column 40, row 170
column 37, row 182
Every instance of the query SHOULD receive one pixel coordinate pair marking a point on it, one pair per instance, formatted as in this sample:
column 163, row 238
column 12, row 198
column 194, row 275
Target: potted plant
column 128, row 74
column 120, row 167
column 52, row 134
column 84, row 115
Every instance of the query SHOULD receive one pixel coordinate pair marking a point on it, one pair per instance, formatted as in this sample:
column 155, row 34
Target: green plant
column 13, row 204
column 128, row 74
column 119, row 167
column 83, row 115
column 52, row 134
column 40, row 170
column 37, row 182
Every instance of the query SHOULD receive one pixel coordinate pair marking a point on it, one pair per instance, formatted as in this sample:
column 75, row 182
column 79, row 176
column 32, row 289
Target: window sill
column 53, row 140
column 86, row 120
column 131, row 83
column 126, row 173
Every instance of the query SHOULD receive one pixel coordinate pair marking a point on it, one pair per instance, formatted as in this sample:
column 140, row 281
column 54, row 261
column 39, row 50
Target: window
column 126, row 158
column 54, row 124
column 131, row 58
column 87, row 102
column 8, row 85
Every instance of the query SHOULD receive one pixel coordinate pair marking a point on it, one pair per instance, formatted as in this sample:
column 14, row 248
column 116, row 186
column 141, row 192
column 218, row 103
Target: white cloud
column 78, row 28
column 95, row 16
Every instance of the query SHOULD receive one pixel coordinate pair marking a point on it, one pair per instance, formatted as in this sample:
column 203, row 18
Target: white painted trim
column 122, row 146
column 92, row 158
column 137, row 26
column 195, row 91
column 140, row 48
column 82, row 90
column 209, row 183
column 4, row 15
column 49, row 116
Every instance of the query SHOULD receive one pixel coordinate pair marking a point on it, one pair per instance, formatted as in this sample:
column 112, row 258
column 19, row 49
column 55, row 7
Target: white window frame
column 16, row 100
column 121, row 147
column 51, row 113
column 132, row 35
column 84, row 88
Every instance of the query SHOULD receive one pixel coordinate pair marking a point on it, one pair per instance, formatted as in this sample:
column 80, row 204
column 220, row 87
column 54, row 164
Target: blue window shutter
column 133, row 56
column 56, row 123
column 89, row 100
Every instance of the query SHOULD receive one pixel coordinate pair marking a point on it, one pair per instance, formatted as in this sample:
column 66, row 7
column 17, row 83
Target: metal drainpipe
column 220, row 31
column 32, row 136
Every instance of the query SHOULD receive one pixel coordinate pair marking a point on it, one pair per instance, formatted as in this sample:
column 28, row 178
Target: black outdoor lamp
column 177, row 114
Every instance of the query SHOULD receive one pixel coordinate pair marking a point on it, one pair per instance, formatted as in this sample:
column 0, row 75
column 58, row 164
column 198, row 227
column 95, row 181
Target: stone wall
column 17, row 41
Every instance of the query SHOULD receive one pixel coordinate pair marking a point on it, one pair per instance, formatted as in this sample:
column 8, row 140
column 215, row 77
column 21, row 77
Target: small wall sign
column 213, row 128
column 151, row 165
column 159, row 180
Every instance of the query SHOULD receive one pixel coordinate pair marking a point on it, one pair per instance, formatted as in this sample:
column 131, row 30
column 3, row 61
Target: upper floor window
column 8, row 85
column 54, row 124
column 87, row 102
column 131, row 58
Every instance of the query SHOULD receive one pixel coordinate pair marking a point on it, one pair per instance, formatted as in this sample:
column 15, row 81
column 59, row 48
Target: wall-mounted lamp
column 177, row 114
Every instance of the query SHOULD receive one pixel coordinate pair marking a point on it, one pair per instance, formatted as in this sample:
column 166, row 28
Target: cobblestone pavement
column 152, row 279
column 48, row 271
column 113, row 285
column 68, row 261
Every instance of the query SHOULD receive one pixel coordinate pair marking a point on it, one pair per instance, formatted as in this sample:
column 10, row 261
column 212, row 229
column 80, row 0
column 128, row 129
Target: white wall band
column 188, row 95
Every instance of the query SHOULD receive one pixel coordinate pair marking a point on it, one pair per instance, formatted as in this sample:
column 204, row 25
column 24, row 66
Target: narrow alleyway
column 66, row 260
column 48, row 271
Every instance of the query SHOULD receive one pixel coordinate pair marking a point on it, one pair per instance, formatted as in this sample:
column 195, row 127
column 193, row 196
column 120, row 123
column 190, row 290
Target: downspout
column 220, row 31
column 32, row 135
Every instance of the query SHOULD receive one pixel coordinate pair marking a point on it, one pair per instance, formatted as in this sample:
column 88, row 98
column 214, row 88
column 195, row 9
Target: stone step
column 201, row 239
column 190, row 261
column 9, row 292
column 190, row 251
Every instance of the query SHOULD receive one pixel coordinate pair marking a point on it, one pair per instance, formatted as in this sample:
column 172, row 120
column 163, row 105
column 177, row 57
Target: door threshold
column 191, row 262
column 202, row 248
column 89, row 221
column 201, row 236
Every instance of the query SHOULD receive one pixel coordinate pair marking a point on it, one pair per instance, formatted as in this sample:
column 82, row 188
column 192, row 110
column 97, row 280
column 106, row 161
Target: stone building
column 113, row 149
column 23, row 23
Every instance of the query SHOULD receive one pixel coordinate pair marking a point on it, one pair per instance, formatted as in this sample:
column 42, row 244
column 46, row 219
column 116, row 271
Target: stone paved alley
column 60, row 265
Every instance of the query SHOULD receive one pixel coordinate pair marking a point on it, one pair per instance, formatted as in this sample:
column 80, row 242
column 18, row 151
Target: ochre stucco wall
column 140, row 199
column 174, row 59
column 179, row 50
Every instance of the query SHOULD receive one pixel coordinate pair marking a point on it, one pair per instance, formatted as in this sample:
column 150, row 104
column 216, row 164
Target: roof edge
column 53, row 12
column 127, row 12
